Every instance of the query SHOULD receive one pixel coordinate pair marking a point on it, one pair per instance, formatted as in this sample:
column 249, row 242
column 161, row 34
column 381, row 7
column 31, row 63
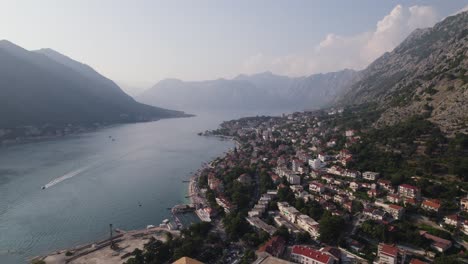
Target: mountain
column 425, row 74
column 261, row 91
column 46, row 87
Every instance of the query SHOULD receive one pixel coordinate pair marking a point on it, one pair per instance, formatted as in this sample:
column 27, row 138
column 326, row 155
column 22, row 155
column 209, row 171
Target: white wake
column 65, row 177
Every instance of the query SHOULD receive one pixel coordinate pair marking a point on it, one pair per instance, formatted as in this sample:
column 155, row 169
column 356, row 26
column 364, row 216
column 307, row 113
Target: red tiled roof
column 432, row 203
column 389, row 250
column 407, row 186
column 311, row 253
column 274, row 246
column 394, row 206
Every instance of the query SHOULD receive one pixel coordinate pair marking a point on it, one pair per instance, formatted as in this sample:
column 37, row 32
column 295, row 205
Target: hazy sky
column 141, row 42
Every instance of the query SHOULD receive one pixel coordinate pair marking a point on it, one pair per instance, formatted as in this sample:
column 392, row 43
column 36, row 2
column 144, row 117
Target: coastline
column 66, row 131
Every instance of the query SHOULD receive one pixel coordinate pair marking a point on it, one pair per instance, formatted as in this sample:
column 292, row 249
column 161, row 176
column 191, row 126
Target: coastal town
column 299, row 188
column 296, row 174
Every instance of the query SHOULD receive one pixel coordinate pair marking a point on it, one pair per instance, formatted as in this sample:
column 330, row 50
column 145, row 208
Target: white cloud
column 337, row 52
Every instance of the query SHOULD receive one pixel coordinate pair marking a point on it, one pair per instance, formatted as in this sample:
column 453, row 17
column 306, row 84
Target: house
column 354, row 186
column 396, row 211
column 452, row 220
column 309, row 225
column 432, row 205
column 316, row 187
column 296, row 188
column 316, row 164
column 372, row 193
column 225, row 204
column 289, row 212
column 439, row 244
column 409, row 191
column 350, row 133
column 187, row 260
column 323, row 157
column 464, row 204
column 464, row 227
column 370, row 175
column 387, row 254
column 394, row 198
column 293, row 179
column 306, row 255
column 275, row 246
column 385, row 184
column 259, row 224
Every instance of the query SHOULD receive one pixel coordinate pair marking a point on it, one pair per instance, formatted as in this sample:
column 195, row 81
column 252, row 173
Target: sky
column 139, row 42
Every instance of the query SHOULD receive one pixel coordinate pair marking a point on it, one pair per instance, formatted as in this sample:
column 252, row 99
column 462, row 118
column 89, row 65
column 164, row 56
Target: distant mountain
column 426, row 74
column 259, row 91
column 44, row 86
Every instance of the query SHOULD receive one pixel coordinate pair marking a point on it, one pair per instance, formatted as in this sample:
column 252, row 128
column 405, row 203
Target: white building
column 309, row 225
column 370, row 175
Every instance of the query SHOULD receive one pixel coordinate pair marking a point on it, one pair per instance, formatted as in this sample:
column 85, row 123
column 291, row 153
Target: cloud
column 336, row 52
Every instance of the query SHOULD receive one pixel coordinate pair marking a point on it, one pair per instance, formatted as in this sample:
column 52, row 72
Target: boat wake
column 65, row 177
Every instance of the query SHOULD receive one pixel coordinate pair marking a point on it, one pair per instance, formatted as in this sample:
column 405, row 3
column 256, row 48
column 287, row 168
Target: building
column 289, row 212
column 394, row 198
column 396, row 211
column 225, row 204
column 349, row 133
column 388, row 254
column 370, row 175
column 259, row 224
column 452, row 220
column 306, row 255
column 187, row 260
column 464, row 204
column 309, row 225
column 316, row 187
column 409, row 191
column 316, row 164
column 293, row 179
column 385, row 184
column 439, row 244
column 432, row 205
column 275, row 246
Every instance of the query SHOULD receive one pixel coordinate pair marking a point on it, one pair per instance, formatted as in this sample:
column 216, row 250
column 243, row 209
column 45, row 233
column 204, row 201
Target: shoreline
column 79, row 130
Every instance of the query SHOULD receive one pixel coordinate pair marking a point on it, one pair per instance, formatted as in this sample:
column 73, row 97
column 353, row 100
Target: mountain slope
column 425, row 74
column 38, row 88
column 256, row 92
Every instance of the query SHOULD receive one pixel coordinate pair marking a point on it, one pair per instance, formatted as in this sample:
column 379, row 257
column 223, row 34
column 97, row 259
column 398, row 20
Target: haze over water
column 103, row 182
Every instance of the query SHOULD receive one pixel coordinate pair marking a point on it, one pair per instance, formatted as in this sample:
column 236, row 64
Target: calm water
column 100, row 181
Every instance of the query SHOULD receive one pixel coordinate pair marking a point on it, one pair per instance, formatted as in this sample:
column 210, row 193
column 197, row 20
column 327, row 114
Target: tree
column 331, row 228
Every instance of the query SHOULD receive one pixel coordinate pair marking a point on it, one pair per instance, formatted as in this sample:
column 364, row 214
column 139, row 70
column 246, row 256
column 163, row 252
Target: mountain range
column 46, row 87
column 261, row 91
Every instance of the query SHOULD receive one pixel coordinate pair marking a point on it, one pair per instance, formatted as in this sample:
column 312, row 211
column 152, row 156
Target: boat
column 150, row 226
column 43, row 187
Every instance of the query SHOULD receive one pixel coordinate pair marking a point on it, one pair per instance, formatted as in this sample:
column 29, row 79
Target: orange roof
column 389, row 250
column 394, row 206
column 432, row 203
column 187, row 260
